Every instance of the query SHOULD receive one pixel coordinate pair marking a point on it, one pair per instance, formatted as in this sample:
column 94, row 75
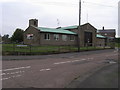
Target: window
column 56, row 36
column 72, row 38
column 29, row 36
column 64, row 37
column 47, row 36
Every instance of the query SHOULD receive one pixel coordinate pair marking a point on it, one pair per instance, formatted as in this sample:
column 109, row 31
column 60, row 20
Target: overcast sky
column 16, row 13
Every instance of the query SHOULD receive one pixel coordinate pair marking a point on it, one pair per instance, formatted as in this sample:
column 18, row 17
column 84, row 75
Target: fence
column 18, row 49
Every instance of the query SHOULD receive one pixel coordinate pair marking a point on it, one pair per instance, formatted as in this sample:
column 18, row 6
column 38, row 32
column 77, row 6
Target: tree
column 6, row 38
column 17, row 35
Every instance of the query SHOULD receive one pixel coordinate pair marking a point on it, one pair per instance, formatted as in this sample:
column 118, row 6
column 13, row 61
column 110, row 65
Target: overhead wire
column 75, row 4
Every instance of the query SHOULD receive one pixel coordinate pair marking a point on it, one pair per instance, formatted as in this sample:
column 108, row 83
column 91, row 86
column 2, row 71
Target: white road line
column 15, row 68
column 11, row 77
column 48, row 69
column 83, row 59
column 63, row 62
column 75, row 60
column 90, row 58
column 12, row 73
column 16, row 76
column 69, row 61
column 5, row 78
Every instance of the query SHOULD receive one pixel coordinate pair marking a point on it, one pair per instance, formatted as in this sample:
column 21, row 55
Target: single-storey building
column 87, row 34
column 35, row 35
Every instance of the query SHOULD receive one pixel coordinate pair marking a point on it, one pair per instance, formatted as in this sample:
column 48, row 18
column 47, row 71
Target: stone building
column 108, row 33
column 35, row 35
column 87, row 34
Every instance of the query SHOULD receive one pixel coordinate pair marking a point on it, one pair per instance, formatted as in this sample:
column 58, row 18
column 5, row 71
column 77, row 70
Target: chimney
column 103, row 28
column 33, row 22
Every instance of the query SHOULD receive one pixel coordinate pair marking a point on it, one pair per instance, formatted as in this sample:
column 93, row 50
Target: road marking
column 12, row 73
column 5, row 78
column 63, row 62
column 11, row 77
column 16, row 76
column 75, row 60
column 83, row 59
column 48, row 69
column 15, row 68
column 69, row 61
column 90, row 58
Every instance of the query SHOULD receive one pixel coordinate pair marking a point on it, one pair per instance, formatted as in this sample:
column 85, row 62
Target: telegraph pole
column 79, row 28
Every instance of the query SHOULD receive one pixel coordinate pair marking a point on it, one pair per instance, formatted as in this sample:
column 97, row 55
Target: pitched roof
column 70, row 27
column 76, row 26
column 53, row 30
column 100, row 36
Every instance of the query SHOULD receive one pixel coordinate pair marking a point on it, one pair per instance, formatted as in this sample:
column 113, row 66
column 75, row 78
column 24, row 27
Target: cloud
column 16, row 13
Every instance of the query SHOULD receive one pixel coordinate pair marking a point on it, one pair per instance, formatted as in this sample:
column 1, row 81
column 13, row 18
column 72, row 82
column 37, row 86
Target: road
column 52, row 71
column 106, row 77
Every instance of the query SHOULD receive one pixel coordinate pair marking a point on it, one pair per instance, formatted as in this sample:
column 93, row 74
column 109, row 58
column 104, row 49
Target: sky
column 16, row 14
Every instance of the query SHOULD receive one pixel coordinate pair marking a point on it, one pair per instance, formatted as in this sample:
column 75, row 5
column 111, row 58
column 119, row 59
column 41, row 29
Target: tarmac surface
column 106, row 77
column 61, row 70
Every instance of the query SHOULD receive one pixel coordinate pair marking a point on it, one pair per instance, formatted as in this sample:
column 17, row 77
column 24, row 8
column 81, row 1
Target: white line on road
column 63, row 62
column 5, row 78
column 13, row 73
column 15, row 68
column 90, row 58
column 48, row 69
column 11, row 77
column 69, row 61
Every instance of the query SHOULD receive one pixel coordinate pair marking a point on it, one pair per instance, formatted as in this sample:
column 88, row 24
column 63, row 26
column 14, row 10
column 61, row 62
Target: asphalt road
column 106, row 77
column 52, row 71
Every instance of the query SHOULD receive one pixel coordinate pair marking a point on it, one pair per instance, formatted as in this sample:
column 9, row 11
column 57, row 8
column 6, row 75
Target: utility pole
column 79, row 28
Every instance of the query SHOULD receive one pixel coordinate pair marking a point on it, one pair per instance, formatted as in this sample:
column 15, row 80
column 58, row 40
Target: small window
column 56, row 36
column 29, row 36
column 64, row 37
column 47, row 36
column 72, row 38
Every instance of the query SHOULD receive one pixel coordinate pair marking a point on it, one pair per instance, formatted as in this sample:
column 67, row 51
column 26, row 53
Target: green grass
column 117, row 45
column 12, row 48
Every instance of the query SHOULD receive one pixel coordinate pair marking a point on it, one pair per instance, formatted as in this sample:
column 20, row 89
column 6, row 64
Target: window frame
column 72, row 38
column 56, row 37
column 64, row 37
column 47, row 36
column 29, row 36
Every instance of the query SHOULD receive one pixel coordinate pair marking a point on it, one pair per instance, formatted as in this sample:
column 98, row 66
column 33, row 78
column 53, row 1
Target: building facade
column 35, row 35
column 87, row 34
column 107, row 32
